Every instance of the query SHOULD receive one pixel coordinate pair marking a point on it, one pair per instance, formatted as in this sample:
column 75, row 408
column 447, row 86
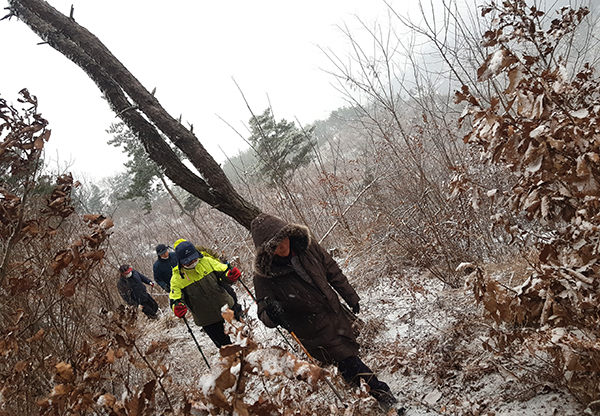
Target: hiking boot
column 238, row 313
column 387, row 401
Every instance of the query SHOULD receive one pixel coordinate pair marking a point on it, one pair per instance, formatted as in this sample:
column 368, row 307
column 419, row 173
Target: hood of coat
column 267, row 232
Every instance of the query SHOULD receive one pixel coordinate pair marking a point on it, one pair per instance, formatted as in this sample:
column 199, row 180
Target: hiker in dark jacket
column 163, row 266
column 132, row 290
column 202, row 283
column 297, row 285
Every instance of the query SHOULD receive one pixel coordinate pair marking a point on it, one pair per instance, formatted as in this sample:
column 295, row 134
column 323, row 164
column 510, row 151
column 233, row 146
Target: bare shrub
column 414, row 153
column 46, row 256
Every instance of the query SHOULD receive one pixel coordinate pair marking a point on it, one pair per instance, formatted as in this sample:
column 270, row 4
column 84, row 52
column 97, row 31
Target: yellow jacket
column 200, row 289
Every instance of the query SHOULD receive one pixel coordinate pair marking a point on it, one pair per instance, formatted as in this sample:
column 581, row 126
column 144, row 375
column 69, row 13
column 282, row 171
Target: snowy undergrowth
column 425, row 341
column 429, row 347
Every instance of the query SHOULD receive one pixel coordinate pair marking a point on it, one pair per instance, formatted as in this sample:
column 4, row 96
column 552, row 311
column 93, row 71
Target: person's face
column 283, row 249
column 165, row 255
column 191, row 264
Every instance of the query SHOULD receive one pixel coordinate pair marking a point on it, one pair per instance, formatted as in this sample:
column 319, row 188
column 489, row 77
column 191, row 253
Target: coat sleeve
column 263, row 292
column 162, row 275
column 145, row 279
column 219, row 268
column 176, row 287
column 156, row 271
column 336, row 278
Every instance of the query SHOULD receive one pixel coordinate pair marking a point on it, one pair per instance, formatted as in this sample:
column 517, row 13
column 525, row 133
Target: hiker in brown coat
column 297, row 285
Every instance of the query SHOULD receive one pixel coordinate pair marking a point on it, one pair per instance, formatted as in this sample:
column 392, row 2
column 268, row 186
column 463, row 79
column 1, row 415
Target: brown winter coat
column 311, row 304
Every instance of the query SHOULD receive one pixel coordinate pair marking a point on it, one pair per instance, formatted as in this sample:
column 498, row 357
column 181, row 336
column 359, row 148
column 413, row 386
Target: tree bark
column 138, row 108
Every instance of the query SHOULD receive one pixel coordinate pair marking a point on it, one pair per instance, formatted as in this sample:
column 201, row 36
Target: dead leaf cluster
column 543, row 126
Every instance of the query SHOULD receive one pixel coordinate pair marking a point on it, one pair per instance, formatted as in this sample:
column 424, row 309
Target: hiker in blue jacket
column 132, row 290
column 163, row 266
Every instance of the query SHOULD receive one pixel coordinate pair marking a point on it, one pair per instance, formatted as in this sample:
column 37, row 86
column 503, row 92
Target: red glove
column 180, row 310
column 233, row 274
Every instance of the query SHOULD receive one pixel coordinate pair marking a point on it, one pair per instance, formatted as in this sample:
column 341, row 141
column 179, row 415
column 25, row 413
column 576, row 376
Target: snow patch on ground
column 420, row 337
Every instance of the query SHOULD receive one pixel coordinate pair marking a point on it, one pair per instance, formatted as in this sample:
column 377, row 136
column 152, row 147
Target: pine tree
column 281, row 148
column 140, row 168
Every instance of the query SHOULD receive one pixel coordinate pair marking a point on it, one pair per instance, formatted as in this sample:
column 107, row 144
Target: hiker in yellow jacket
column 202, row 284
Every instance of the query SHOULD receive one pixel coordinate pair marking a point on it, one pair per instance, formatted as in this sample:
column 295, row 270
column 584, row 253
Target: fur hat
column 267, row 232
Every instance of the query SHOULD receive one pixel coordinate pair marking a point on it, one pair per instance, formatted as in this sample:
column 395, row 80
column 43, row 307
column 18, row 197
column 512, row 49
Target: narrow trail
column 426, row 345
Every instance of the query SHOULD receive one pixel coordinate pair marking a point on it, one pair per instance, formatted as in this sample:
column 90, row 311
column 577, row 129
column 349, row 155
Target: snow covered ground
column 424, row 340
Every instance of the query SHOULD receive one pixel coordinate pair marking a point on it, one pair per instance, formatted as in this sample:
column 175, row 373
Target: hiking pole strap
column 196, row 341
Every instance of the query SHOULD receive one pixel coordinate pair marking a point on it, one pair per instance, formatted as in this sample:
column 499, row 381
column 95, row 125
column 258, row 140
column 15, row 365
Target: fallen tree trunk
column 138, row 108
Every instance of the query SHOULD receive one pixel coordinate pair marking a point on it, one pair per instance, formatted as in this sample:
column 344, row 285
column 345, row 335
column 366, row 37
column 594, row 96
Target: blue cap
column 186, row 252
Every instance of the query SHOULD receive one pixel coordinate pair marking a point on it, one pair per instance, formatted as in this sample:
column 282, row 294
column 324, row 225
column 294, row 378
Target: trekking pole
column 247, row 290
column 312, row 360
column 196, row 341
column 254, row 299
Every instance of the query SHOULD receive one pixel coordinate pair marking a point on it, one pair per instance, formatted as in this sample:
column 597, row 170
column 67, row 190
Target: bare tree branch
column 138, row 108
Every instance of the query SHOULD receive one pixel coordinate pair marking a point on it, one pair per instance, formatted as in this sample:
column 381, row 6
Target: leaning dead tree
column 138, row 108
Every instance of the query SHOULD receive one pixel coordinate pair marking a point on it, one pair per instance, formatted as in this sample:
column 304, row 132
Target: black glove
column 356, row 309
column 276, row 313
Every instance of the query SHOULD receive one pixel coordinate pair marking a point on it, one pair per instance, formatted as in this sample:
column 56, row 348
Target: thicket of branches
column 49, row 258
column 394, row 177
column 418, row 178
